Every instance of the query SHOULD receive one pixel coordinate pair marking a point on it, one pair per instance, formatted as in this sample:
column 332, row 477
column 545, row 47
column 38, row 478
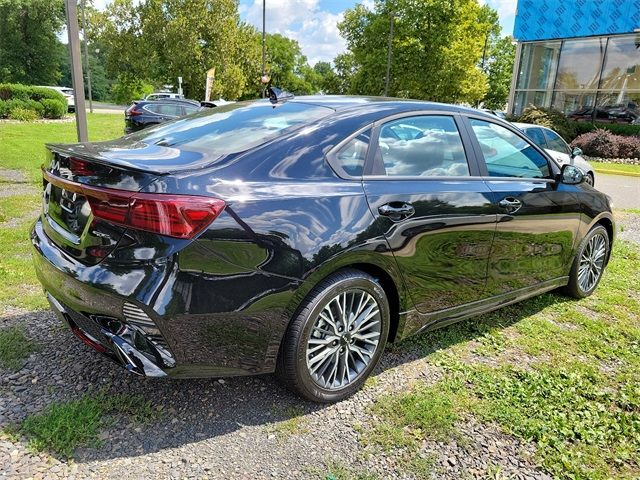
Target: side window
column 351, row 157
column 171, row 110
column 507, row 154
column 537, row 136
column 427, row 145
column 556, row 143
column 190, row 109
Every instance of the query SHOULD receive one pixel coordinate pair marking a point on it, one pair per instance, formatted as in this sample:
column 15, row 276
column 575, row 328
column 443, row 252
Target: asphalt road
column 625, row 191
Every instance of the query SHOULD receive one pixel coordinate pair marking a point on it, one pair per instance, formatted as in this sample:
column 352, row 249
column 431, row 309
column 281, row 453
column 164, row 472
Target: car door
column 426, row 195
column 538, row 218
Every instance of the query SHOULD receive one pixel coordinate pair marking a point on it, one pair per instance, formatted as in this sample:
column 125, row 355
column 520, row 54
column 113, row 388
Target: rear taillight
column 178, row 216
column 133, row 111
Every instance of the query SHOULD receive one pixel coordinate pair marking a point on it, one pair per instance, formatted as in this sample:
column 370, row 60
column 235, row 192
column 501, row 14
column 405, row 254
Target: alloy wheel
column 592, row 262
column 343, row 339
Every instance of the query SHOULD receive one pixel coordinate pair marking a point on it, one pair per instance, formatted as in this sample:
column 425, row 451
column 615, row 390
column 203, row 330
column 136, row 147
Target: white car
column 67, row 93
column 559, row 150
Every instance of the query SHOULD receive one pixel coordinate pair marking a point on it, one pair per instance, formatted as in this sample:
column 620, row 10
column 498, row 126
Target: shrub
column 604, row 144
column 23, row 114
column 550, row 118
column 126, row 89
column 26, row 97
column 54, row 108
column 617, row 128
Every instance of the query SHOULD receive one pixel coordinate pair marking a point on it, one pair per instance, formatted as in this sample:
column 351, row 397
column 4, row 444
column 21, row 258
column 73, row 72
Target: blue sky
column 313, row 22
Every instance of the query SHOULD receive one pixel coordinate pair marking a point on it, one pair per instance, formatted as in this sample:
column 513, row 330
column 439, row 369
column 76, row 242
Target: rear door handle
column 397, row 213
column 510, row 204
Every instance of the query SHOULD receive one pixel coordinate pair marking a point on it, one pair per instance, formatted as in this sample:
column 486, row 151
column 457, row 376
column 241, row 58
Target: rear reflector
column 178, row 216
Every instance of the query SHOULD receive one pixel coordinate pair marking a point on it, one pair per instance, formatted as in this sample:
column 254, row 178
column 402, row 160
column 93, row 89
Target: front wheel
column 588, row 265
column 337, row 337
column 589, row 180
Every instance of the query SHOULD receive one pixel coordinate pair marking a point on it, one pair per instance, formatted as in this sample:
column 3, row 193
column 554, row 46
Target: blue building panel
column 553, row 19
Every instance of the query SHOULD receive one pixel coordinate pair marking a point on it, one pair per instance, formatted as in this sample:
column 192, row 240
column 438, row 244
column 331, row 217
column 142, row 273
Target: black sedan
column 300, row 235
column 145, row 113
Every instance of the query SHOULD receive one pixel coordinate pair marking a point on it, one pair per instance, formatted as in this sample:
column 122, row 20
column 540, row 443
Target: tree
column 28, row 30
column 328, row 80
column 288, row 67
column 436, row 48
column 498, row 66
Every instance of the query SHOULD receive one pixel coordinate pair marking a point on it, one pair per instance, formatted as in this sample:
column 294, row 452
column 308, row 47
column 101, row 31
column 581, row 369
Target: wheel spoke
column 343, row 339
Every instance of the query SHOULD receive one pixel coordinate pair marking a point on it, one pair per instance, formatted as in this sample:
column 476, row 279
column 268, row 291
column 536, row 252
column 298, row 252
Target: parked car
column 144, row 113
column 67, row 93
column 559, row 150
column 611, row 114
column 302, row 236
column 163, row 96
column 215, row 103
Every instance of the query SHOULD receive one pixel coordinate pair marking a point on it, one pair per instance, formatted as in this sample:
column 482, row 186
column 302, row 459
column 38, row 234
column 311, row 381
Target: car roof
column 170, row 100
column 523, row 126
column 344, row 102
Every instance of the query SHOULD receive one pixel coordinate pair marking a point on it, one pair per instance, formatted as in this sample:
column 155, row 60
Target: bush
column 26, row 97
column 126, row 90
column 54, row 108
column 604, row 144
column 23, row 114
column 617, row 128
column 550, row 118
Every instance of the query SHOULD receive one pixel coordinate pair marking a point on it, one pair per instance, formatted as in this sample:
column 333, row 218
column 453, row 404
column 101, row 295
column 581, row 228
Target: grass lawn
column 561, row 373
column 616, row 168
column 23, row 143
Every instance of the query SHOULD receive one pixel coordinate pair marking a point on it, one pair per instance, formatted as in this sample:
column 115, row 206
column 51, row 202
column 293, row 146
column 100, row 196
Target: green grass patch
column 15, row 347
column 19, row 287
column 294, row 423
column 616, row 168
column 18, row 206
column 570, row 384
column 23, row 143
column 62, row 427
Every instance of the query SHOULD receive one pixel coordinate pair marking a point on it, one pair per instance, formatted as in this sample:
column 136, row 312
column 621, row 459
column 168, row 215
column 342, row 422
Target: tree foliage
column 436, row 48
column 28, row 29
column 498, row 66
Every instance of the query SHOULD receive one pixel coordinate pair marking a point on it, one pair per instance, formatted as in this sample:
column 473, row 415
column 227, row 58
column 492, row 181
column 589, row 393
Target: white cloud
column 315, row 30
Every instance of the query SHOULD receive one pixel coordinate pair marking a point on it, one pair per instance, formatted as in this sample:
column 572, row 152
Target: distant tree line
column 441, row 50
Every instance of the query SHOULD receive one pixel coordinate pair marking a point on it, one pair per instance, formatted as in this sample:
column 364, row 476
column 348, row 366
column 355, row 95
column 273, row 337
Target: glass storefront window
column 622, row 65
column 580, row 64
column 524, row 99
column 574, row 102
column 538, row 65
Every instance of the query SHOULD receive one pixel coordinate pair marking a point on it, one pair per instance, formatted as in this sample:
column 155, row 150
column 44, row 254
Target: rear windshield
column 233, row 128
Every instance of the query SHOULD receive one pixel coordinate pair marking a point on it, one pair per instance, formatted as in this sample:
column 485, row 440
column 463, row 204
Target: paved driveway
column 624, row 190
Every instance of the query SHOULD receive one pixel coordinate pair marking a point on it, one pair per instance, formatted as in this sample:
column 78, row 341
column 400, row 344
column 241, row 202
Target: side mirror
column 571, row 175
column 576, row 152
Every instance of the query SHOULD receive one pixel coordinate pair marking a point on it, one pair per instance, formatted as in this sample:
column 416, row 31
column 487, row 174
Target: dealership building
column 574, row 55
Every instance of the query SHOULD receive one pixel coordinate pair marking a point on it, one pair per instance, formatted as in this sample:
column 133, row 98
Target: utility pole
column 71, row 8
column 264, row 55
column 389, row 48
column 86, row 54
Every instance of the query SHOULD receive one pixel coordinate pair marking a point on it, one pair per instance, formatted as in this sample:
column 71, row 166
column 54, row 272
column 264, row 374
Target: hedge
column 43, row 102
column 604, row 144
column 616, row 128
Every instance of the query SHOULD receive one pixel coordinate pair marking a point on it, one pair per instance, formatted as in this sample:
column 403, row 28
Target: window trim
column 554, row 170
column 332, row 155
column 544, row 132
column 474, row 171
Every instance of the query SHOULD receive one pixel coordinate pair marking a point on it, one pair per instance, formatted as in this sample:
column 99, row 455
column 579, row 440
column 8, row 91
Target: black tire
column 574, row 287
column 292, row 368
column 589, row 180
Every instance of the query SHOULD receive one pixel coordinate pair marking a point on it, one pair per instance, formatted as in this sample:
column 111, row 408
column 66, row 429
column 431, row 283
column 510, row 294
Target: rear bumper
column 106, row 305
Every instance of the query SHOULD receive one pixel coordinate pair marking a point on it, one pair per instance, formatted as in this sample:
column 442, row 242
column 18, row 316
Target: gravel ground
column 229, row 428
column 628, row 226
